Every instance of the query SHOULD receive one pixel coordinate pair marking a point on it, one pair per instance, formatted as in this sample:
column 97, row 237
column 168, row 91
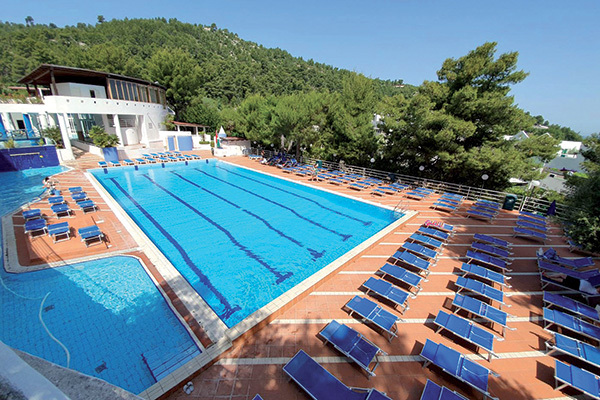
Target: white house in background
column 131, row 108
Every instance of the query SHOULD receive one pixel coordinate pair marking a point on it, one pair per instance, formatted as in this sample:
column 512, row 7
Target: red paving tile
column 521, row 378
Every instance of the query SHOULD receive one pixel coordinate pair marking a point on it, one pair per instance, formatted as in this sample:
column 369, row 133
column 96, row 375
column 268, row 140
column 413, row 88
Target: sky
column 558, row 41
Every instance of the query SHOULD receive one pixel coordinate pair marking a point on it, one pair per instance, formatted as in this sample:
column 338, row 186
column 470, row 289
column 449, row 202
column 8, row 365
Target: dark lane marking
column 229, row 310
column 315, row 254
column 365, row 223
column 343, row 236
column 280, row 277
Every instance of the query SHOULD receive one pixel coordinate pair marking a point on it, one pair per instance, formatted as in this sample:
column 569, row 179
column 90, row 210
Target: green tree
column 101, row 19
column 454, row 128
column 202, row 111
column 544, row 147
column 29, row 21
column 583, row 199
column 179, row 72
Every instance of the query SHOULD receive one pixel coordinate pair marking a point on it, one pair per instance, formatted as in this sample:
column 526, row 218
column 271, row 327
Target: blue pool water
column 106, row 313
column 239, row 237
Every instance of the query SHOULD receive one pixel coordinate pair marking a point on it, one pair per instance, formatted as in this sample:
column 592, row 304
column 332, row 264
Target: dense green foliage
column 190, row 60
column 102, row 138
column 584, row 199
column 452, row 127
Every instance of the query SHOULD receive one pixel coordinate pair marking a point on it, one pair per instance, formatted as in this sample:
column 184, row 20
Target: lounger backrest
column 568, row 303
column 578, row 378
column 316, row 380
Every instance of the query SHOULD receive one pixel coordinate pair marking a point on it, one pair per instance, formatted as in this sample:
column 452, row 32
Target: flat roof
column 42, row 76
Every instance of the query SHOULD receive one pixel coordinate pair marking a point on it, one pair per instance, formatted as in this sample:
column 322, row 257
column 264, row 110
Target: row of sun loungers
column 149, row 158
column 449, row 202
column 572, row 323
column 36, row 225
column 317, row 381
column 62, row 231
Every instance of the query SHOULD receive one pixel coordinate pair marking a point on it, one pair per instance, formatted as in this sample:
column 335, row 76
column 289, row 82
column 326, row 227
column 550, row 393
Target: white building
column 131, row 108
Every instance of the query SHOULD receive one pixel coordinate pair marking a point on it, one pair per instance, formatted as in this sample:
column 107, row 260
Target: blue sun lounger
column 530, row 226
column 433, row 391
column 483, row 310
column 140, row 161
column 34, row 226
column 61, row 210
column 444, row 206
column 481, row 289
column 452, row 196
column 56, row 200
column 389, row 292
column 353, row 345
column 75, row 189
column 102, row 164
column 127, row 161
column 409, row 259
column 417, row 195
column 79, row 196
column 533, row 215
column 480, row 214
column 487, row 239
column 568, row 304
column 90, row 234
column 374, row 314
column 551, row 256
column 421, row 251
column 544, row 265
column 484, row 273
column 489, row 203
column 426, row 241
column 438, row 226
column 457, row 365
column 567, row 321
column 534, row 221
column 580, row 379
column 320, row 384
column 467, row 330
column 435, row 233
column 575, row 348
column 59, row 232
column 491, row 250
column 411, row 279
column 487, row 261
column 34, row 213
column 87, row 206
column 530, row 234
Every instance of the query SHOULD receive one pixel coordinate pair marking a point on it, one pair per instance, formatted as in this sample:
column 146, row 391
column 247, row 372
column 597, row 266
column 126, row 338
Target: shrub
column 103, row 139
column 54, row 134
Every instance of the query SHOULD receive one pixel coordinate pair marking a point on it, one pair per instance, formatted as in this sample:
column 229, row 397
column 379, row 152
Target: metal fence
column 524, row 203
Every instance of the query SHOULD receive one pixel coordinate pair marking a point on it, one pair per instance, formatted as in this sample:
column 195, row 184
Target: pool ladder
column 400, row 209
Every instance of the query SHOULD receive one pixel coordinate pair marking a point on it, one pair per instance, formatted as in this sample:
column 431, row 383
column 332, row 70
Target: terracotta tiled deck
column 254, row 363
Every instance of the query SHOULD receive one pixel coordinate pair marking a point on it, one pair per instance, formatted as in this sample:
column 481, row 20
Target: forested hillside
column 207, row 61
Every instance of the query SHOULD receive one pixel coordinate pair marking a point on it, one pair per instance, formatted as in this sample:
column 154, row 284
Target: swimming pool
column 239, row 237
column 104, row 314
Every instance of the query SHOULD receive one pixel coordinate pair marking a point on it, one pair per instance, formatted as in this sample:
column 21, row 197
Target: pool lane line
column 365, row 223
column 343, row 236
column 280, row 277
column 229, row 310
column 315, row 254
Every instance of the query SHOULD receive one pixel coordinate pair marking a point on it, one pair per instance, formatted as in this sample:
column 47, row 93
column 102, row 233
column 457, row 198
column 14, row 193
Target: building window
column 93, row 94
